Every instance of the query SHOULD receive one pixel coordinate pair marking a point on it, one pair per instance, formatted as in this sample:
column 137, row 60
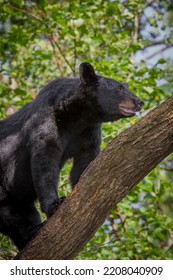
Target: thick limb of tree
column 108, row 179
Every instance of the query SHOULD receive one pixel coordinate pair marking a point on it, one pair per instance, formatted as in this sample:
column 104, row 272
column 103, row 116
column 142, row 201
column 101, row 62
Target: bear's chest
column 73, row 145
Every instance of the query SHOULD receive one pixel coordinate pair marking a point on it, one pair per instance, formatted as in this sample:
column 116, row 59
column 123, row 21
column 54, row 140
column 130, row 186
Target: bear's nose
column 139, row 103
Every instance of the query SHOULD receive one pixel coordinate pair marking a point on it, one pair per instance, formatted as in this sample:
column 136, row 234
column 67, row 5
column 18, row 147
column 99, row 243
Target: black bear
column 63, row 122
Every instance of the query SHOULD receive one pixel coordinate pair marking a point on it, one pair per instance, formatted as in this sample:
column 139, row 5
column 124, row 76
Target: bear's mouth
column 126, row 111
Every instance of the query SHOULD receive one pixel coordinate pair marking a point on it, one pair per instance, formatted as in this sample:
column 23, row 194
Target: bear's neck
column 78, row 112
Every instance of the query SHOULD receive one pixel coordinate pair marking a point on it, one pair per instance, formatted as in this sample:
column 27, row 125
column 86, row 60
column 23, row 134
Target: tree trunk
column 108, row 179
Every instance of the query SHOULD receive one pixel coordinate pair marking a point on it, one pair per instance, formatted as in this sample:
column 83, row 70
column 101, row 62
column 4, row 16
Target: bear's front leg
column 87, row 149
column 45, row 172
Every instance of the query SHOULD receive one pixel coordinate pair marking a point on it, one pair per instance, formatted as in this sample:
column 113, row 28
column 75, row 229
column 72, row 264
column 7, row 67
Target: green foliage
column 41, row 40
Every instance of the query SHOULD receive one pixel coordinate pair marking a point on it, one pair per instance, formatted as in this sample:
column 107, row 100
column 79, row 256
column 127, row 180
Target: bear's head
column 114, row 98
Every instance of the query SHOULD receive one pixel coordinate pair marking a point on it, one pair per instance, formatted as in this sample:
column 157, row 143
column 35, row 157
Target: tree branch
column 161, row 42
column 50, row 36
column 25, row 12
column 159, row 51
column 108, row 179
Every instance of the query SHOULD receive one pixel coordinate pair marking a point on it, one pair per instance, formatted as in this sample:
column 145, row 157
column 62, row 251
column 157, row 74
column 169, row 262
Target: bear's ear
column 126, row 85
column 87, row 73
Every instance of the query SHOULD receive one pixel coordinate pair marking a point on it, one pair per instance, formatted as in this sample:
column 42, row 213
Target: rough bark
column 108, row 179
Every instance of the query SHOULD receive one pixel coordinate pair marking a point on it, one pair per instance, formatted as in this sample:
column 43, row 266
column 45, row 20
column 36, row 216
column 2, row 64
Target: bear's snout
column 139, row 103
column 130, row 107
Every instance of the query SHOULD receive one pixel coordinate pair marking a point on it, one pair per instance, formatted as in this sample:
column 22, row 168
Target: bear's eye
column 121, row 87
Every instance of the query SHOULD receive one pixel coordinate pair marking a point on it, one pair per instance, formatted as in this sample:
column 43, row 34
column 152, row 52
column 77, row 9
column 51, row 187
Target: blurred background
column 128, row 40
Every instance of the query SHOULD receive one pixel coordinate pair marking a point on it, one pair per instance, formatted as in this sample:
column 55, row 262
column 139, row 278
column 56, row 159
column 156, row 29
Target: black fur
column 63, row 122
